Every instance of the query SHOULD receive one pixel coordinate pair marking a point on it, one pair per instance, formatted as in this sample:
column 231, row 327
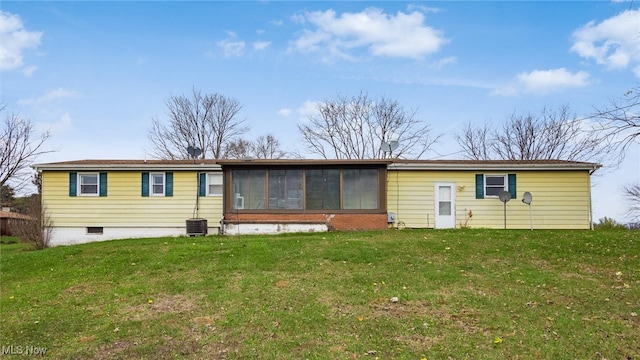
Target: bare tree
column 264, row 147
column 268, row 147
column 208, row 122
column 356, row 127
column 238, row 149
column 552, row 134
column 475, row 141
column 618, row 125
column 20, row 145
column 632, row 193
column 35, row 227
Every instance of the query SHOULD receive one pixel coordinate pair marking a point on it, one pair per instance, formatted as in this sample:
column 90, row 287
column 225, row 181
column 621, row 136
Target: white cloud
column 545, row 81
column 308, row 108
column 29, row 70
column 401, row 35
column 284, row 112
column 56, row 94
column 64, row 124
column 612, row 43
column 261, row 45
column 439, row 64
column 423, row 8
column 14, row 38
column 231, row 48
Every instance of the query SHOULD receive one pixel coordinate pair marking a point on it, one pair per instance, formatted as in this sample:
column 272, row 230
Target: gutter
column 591, row 167
column 125, row 167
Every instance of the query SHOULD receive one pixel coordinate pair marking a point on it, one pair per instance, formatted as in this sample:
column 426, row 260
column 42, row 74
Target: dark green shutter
column 479, row 186
column 145, row 184
column 73, row 184
column 168, row 184
column 202, row 185
column 103, row 184
column 512, row 185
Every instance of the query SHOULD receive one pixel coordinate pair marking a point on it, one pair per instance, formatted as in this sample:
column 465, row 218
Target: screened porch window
column 301, row 189
column 360, row 188
column 323, row 189
column 249, row 189
column 285, row 189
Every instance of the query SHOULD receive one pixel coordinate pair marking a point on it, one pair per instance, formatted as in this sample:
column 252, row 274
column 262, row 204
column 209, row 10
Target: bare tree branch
column 632, row 194
column 208, row 122
column 268, row 147
column 618, row 125
column 475, row 141
column 552, row 134
column 36, row 228
column 264, row 147
column 356, row 127
column 238, row 149
column 19, row 147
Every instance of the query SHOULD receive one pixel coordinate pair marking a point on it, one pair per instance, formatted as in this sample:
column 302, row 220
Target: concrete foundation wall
column 247, row 228
column 79, row 235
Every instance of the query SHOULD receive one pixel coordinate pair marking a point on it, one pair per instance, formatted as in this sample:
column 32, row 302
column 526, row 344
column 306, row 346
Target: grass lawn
column 462, row 294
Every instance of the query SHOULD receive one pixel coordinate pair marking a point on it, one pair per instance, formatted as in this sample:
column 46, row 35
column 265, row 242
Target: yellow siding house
column 95, row 200
column 455, row 194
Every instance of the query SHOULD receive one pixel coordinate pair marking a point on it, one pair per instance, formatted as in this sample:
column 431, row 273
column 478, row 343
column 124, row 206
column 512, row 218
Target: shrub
column 607, row 223
column 37, row 228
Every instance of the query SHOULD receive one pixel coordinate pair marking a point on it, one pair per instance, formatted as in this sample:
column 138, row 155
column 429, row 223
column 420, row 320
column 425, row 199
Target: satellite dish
column 527, row 198
column 504, row 196
column 389, row 146
column 194, row 152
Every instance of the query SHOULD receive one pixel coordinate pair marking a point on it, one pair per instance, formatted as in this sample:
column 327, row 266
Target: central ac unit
column 196, row 227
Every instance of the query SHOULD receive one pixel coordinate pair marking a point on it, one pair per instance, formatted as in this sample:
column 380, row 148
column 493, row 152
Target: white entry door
column 445, row 205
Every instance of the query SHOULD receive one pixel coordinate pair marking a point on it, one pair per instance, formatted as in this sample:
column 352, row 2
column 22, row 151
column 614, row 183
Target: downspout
column 590, row 199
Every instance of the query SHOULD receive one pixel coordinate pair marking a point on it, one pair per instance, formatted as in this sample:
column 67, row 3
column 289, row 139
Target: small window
column 157, row 184
column 95, row 230
column 494, row 185
column 88, row 184
column 214, row 184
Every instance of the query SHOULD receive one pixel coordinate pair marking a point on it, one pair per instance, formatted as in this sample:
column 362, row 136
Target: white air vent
column 196, row 227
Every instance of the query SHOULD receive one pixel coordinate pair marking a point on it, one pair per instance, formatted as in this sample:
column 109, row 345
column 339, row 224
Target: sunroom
column 274, row 196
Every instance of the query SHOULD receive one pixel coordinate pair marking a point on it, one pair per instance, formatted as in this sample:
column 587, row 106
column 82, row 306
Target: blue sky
column 95, row 74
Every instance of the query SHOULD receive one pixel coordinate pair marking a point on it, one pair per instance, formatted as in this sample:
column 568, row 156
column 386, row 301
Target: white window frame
column 505, row 187
column 152, row 184
column 81, row 176
column 218, row 177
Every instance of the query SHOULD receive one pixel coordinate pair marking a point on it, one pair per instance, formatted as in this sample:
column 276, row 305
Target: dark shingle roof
column 392, row 164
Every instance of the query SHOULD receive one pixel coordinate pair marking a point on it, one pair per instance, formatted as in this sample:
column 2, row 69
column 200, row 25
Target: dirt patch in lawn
column 157, row 306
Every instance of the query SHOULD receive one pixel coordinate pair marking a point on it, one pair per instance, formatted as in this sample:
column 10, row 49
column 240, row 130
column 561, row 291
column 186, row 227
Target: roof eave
column 495, row 167
column 126, row 167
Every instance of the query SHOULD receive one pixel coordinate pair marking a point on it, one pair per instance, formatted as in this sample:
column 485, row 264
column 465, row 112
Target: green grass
column 463, row 294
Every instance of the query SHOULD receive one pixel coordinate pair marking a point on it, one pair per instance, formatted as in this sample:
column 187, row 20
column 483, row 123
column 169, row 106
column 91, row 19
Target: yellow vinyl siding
column 561, row 199
column 124, row 205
